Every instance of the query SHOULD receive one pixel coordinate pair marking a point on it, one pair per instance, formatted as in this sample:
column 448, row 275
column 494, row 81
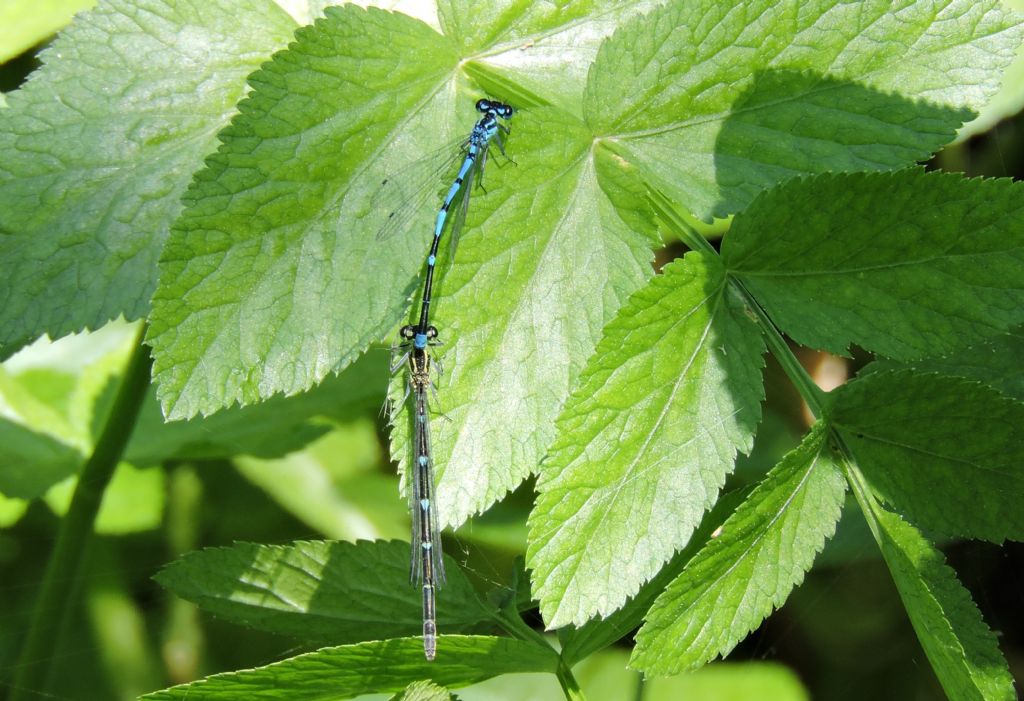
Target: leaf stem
column 809, row 392
column 512, row 623
column 812, row 395
column 665, row 209
column 59, row 590
column 570, row 687
column 859, row 485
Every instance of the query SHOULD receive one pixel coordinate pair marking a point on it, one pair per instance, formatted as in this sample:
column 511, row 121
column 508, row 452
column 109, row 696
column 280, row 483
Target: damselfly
column 475, row 152
column 427, row 566
column 487, row 128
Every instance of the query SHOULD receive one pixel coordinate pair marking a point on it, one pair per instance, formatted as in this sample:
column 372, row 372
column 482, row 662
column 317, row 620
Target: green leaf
column 381, row 666
column 996, row 362
column 99, row 145
column 240, row 312
column 645, row 442
column 371, row 279
column 908, row 264
column 269, row 429
column 607, row 675
column 539, row 331
column 1010, row 98
column 749, row 569
column 222, row 435
column 264, row 292
column 307, row 11
column 944, row 451
column 321, row 591
column 961, row 648
column 11, row 511
column 424, row 691
column 715, row 101
column 25, row 23
column 597, row 633
column 536, row 52
column 30, row 462
column 763, row 681
column 284, row 219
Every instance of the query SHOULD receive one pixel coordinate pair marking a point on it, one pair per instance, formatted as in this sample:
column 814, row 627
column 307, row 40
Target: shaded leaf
column 269, row 429
column 944, row 451
column 31, row 463
column 321, row 591
column 908, row 264
column 998, row 362
column 335, row 485
column 714, row 101
column 961, row 648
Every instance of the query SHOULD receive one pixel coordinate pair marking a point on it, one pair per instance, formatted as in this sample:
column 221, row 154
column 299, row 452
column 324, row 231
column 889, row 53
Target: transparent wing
column 472, row 180
column 415, row 487
column 402, row 195
column 422, row 490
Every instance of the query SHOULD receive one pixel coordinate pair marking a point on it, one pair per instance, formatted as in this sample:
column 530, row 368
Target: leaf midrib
column 613, row 496
column 756, row 541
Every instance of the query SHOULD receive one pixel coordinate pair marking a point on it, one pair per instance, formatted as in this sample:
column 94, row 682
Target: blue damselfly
column 475, row 151
column 427, row 567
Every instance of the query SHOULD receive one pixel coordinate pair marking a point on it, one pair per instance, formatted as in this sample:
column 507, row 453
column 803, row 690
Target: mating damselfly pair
column 427, row 567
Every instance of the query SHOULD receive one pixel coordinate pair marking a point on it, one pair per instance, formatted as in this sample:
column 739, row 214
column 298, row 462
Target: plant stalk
column 510, row 621
column 514, row 625
column 808, row 391
column 59, row 591
column 570, row 687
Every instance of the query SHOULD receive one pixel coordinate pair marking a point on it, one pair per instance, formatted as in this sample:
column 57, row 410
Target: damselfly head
column 498, row 109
